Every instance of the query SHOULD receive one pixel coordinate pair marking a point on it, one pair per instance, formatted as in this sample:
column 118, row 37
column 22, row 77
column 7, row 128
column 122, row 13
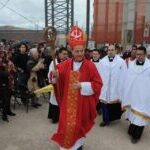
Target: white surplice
column 110, row 73
column 135, row 96
column 52, row 96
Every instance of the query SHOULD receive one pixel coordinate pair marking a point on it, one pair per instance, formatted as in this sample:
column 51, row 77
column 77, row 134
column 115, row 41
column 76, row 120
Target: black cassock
column 115, row 111
column 111, row 112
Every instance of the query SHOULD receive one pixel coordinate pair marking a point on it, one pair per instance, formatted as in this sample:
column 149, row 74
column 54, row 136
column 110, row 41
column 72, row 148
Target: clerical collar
column 111, row 58
column 95, row 60
column 139, row 63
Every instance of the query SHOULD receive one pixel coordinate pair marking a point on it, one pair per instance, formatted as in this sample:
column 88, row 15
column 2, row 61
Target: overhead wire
column 19, row 14
column 4, row 5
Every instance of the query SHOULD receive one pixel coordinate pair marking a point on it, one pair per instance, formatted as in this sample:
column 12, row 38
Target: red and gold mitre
column 76, row 37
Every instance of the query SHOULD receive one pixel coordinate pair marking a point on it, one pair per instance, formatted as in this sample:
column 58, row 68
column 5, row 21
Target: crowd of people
column 111, row 80
column 23, row 67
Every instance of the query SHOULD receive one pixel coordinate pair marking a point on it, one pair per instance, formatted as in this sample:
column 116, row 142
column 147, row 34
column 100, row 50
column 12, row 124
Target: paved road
column 31, row 131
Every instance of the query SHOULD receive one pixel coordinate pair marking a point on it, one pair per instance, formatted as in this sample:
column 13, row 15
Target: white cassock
column 52, row 96
column 110, row 73
column 86, row 90
column 135, row 96
column 97, row 65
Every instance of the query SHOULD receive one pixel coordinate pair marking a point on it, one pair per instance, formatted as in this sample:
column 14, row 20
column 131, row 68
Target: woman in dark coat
column 7, row 72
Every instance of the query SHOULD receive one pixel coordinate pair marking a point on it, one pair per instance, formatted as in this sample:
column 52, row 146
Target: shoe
column 134, row 141
column 5, row 118
column 80, row 148
column 38, row 104
column 103, row 124
column 54, row 122
column 34, row 105
column 99, row 113
column 11, row 114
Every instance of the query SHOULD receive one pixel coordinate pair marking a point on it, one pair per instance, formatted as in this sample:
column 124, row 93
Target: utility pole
column 88, row 19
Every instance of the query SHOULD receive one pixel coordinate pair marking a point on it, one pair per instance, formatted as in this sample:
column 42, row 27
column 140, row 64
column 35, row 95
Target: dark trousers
column 105, row 113
column 5, row 96
column 135, row 131
column 53, row 113
column 98, row 107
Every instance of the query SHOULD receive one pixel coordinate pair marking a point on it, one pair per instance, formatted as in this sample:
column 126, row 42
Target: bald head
column 111, row 51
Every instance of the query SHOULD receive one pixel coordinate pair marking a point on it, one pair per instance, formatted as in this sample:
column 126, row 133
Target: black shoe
column 34, row 105
column 99, row 112
column 134, row 141
column 11, row 114
column 54, row 121
column 103, row 124
column 80, row 148
column 5, row 118
column 38, row 104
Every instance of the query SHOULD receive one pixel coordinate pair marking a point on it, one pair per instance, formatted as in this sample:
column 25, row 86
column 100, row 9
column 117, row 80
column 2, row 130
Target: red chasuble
column 77, row 112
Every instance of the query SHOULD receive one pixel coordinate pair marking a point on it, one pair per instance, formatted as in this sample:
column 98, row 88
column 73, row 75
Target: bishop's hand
column 76, row 85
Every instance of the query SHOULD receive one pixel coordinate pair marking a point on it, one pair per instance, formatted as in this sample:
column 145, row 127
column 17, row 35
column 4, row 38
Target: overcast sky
column 33, row 11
